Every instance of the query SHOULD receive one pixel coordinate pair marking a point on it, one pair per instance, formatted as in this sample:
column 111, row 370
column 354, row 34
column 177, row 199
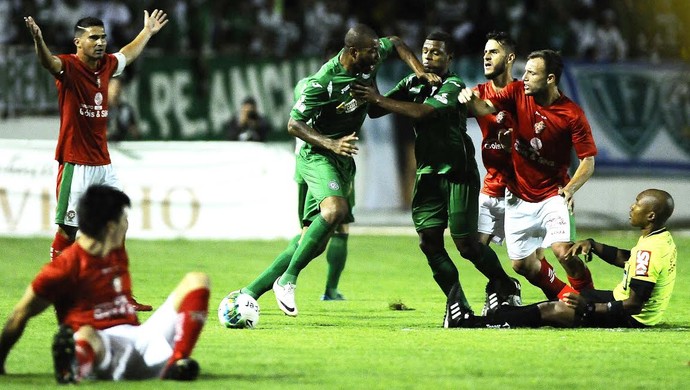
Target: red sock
column 565, row 289
column 191, row 318
column 583, row 283
column 60, row 243
column 85, row 358
column 547, row 281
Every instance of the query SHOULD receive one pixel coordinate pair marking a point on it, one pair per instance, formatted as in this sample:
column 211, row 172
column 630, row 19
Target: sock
column 336, row 257
column 444, row 271
column 312, row 242
column 60, row 243
column 547, row 281
column 583, row 283
column 514, row 317
column 85, row 358
column 190, row 320
column 488, row 264
column 264, row 282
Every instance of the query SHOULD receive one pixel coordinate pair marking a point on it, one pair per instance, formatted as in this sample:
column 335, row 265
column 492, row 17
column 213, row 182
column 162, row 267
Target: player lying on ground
column 638, row 301
column 90, row 287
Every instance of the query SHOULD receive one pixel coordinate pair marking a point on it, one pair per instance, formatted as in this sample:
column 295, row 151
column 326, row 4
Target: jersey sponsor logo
column 536, row 144
column 90, row 111
column 416, row 89
column 118, row 308
column 333, row 185
column 492, row 144
column 443, row 98
column 348, row 107
column 529, row 153
column 71, row 214
column 642, row 259
column 98, row 100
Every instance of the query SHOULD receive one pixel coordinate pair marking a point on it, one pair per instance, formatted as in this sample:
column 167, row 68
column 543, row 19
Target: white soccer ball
column 238, row 310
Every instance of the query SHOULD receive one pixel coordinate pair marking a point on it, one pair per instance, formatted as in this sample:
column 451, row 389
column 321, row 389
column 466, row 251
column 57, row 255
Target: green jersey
column 325, row 102
column 442, row 145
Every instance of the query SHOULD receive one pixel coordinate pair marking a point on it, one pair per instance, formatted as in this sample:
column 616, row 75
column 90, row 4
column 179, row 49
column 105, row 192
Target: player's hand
column 583, row 247
column 568, row 196
column 505, row 138
column 431, row 78
column 345, row 146
column 365, row 92
column 466, row 95
column 574, row 300
column 33, row 28
column 156, row 21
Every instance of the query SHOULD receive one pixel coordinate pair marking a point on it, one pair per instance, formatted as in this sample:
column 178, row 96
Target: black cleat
column 494, row 300
column 64, row 356
column 181, row 370
column 457, row 315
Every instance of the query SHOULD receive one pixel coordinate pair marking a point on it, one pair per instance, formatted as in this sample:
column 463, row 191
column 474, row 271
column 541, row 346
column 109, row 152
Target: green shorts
column 438, row 202
column 325, row 177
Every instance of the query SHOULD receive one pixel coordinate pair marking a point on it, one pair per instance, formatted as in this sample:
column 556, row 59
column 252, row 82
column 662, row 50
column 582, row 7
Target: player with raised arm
column 539, row 199
column 638, row 301
column 90, row 287
column 82, row 81
column 447, row 182
column 328, row 119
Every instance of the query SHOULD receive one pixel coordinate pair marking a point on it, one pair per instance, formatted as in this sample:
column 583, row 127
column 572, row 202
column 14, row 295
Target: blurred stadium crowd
column 589, row 30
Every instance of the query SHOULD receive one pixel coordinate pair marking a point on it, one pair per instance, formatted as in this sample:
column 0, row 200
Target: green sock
column 488, row 264
column 336, row 257
column 444, row 271
column 313, row 241
column 264, row 282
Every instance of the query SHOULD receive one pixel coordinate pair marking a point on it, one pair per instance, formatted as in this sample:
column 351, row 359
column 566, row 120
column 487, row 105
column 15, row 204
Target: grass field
column 360, row 343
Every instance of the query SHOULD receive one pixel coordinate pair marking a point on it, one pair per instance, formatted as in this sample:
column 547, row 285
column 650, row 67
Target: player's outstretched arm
column 152, row 24
column 28, row 306
column 47, row 59
column 411, row 60
column 583, row 172
column 408, row 109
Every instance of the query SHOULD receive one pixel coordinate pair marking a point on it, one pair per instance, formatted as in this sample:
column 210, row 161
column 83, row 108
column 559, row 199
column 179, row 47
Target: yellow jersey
column 653, row 260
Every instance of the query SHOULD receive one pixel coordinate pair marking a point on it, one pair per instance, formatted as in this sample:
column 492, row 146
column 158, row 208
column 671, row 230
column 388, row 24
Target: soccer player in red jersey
column 82, row 84
column 90, row 287
column 539, row 199
column 498, row 59
column 82, row 81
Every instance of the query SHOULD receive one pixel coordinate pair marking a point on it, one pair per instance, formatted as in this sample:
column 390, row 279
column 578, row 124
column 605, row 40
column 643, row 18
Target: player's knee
column 519, row 267
column 195, row 280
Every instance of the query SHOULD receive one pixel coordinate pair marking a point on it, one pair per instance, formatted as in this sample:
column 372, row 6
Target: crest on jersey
column 98, row 99
column 71, row 214
column 536, row 144
column 333, row 185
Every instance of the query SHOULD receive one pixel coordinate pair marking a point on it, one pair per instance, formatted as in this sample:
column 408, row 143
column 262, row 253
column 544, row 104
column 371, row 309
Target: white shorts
column 530, row 226
column 139, row 352
column 492, row 217
column 74, row 182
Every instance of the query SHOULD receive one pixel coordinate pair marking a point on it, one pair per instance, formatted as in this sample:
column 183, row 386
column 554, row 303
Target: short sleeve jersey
column 653, row 260
column 442, row 145
column 325, row 102
column 83, row 102
column 542, row 141
column 88, row 290
column 498, row 162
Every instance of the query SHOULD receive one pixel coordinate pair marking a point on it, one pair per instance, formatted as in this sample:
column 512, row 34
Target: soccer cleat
column 285, row 296
column 181, row 370
column 338, row 297
column 494, row 300
column 139, row 306
column 64, row 356
column 457, row 315
column 515, row 299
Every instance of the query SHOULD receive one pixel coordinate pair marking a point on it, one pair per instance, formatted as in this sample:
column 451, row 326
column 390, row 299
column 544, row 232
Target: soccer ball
column 238, row 310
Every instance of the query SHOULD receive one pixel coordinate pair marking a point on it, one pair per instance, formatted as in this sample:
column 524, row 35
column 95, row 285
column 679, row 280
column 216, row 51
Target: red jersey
column 88, row 290
column 83, row 102
column 497, row 161
column 543, row 140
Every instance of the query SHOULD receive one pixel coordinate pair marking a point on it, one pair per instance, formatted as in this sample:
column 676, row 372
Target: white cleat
column 285, row 296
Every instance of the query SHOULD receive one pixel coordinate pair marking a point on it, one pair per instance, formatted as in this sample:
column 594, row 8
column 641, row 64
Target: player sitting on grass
column 638, row 301
column 90, row 287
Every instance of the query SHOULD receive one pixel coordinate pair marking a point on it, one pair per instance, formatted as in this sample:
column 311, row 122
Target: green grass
column 361, row 343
